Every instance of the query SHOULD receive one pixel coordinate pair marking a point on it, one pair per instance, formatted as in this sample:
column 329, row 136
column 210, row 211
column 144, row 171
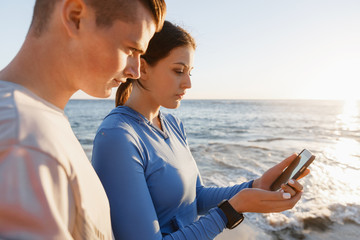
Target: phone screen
column 295, row 169
column 304, row 157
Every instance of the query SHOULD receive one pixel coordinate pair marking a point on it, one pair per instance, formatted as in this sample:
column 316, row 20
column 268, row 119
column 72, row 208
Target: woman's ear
column 72, row 13
column 144, row 69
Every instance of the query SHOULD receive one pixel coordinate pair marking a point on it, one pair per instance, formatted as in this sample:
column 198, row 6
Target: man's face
column 106, row 56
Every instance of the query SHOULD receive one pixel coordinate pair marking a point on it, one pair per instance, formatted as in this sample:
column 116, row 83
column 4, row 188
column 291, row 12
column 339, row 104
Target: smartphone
column 295, row 169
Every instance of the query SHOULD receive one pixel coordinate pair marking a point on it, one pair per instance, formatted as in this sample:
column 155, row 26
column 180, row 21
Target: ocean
column 237, row 140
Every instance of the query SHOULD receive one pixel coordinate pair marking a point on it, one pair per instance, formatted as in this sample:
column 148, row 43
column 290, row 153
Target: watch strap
column 233, row 217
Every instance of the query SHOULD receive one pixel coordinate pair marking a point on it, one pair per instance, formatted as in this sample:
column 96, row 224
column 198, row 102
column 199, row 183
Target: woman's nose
column 187, row 82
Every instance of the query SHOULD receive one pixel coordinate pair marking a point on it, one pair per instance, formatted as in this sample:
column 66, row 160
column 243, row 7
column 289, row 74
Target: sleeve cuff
column 251, row 183
column 222, row 215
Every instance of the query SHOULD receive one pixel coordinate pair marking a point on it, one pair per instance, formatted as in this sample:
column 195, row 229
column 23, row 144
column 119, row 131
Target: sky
column 253, row 49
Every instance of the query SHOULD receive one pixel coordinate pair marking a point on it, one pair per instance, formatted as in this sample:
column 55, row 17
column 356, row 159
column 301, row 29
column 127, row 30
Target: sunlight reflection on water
column 336, row 177
column 346, row 153
column 332, row 190
column 347, row 120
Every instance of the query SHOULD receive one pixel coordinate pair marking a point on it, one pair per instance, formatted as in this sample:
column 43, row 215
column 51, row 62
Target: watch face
column 235, row 224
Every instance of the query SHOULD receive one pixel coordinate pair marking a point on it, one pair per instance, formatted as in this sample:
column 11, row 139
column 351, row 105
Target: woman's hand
column 292, row 187
column 265, row 181
column 261, row 201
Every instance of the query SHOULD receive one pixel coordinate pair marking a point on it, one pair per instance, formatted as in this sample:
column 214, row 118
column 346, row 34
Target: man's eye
column 132, row 50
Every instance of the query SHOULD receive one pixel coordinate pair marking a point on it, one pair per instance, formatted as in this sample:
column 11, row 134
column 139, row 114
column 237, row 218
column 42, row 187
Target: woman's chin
column 173, row 105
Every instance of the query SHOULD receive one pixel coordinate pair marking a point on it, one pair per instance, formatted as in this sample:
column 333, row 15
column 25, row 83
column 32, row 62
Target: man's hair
column 107, row 11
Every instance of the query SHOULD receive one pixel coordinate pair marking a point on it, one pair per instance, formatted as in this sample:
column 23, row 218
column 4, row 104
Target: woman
column 143, row 159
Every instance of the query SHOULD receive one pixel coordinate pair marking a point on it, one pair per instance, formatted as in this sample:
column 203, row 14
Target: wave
column 317, row 223
column 346, row 213
column 294, row 224
column 267, row 139
column 236, row 146
column 86, row 142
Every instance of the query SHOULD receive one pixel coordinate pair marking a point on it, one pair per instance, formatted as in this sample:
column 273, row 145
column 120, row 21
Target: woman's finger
column 306, row 172
column 274, row 196
column 295, row 185
column 279, row 206
column 286, row 188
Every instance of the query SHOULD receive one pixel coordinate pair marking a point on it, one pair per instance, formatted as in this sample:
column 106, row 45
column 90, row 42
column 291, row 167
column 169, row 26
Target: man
column 48, row 189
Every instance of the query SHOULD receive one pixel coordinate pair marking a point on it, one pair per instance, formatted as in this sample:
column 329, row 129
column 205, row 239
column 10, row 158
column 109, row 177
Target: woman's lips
column 181, row 95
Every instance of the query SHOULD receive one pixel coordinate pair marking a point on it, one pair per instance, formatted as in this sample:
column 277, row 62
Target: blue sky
column 254, row 49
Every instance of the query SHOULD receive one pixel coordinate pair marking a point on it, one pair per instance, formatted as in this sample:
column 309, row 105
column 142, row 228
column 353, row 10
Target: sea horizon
column 241, row 99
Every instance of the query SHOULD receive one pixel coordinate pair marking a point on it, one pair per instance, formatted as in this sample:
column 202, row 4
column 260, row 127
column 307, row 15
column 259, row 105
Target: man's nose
column 132, row 69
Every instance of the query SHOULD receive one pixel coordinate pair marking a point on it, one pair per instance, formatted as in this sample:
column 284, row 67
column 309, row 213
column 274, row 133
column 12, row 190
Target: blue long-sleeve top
column 152, row 181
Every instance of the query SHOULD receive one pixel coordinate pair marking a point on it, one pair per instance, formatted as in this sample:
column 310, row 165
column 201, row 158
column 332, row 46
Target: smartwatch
column 234, row 218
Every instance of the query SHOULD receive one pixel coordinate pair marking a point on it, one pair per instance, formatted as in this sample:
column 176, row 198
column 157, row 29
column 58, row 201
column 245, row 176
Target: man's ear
column 72, row 14
column 144, row 69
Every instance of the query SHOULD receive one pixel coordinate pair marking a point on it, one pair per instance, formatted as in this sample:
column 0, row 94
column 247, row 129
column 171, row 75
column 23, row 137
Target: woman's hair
column 107, row 11
column 171, row 36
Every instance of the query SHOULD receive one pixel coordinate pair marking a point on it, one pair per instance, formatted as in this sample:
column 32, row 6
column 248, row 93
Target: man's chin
column 99, row 94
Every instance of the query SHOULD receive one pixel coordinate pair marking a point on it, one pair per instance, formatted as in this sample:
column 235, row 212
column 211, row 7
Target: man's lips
column 119, row 81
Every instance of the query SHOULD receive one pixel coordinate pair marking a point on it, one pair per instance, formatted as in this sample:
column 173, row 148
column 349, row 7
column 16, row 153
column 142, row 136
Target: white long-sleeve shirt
column 48, row 188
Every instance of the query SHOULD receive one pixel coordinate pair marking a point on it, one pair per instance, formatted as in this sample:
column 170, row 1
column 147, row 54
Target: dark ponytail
column 171, row 36
column 123, row 92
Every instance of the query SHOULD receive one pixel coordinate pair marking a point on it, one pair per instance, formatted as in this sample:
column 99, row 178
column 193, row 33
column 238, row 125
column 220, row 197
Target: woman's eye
column 179, row 71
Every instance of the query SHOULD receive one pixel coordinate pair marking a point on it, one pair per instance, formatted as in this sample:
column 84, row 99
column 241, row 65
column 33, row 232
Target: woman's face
column 169, row 78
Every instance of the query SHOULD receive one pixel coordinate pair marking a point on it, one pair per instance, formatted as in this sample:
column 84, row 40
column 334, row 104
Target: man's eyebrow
column 139, row 48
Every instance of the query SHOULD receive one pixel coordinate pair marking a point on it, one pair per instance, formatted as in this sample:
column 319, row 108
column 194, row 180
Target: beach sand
column 247, row 231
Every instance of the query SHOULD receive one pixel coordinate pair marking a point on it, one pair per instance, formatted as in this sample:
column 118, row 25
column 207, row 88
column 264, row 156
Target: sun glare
column 348, row 118
column 346, row 155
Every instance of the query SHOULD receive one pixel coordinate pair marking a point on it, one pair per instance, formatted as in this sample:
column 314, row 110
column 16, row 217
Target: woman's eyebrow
column 181, row 63
column 185, row 65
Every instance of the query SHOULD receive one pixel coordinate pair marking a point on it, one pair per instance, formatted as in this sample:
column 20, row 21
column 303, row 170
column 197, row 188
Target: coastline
column 245, row 231
column 335, row 231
